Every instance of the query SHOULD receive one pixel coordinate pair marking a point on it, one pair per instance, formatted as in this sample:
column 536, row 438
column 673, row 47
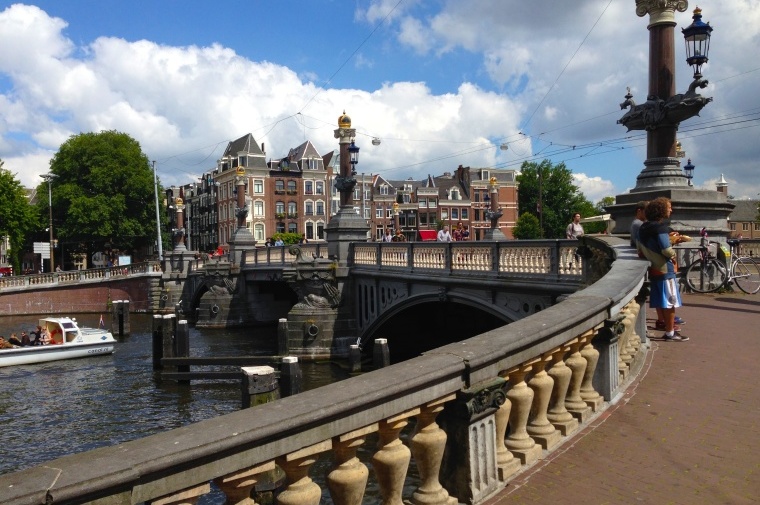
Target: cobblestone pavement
column 686, row 431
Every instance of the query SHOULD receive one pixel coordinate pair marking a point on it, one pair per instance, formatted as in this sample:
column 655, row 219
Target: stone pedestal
column 242, row 240
column 345, row 227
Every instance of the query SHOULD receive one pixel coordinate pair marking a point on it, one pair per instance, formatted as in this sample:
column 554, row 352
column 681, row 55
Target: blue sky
column 441, row 83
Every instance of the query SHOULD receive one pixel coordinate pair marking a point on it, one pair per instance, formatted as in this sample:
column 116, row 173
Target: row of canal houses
column 295, row 193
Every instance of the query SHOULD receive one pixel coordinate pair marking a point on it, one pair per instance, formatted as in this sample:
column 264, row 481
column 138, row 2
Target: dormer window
column 455, row 194
column 384, row 189
column 243, row 161
column 485, row 175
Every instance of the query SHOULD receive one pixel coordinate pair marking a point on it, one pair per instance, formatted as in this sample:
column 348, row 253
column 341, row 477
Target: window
column 423, row 219
column 258, row 186
column 312, row 163
column 389, row 213
column 320, row 230
column 485, row 175
column 757, row 226
column 320, row 208
column 465, row 214
column 454, row 213
column 733, row 226
column 309, row 208
column 422, row 203
column 356, row 194
column 407, row 198
column 366, row 213
column 444, row 214
column 309, row 230
column 411, row 220
column 308, row 187
column 745, row 226
column 242, row 161
column 258, row 231
column 384, row 189
column 433, row 203
column 292, row 209
column 455, row 194
column 367, row 195
column 279, row 185
column 279, row 207
column 291, row 186
column 320, row 188
column 292, row 228
column 280, row 227
column 258, row 208
column 379, row 212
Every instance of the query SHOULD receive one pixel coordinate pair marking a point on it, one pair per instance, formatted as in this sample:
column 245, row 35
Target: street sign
column 42, row 248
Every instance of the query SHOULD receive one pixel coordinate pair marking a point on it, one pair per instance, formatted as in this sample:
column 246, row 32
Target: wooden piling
column 158, row 341
column 282, row 337
column 291, row 377
column 354, row 358
column 258, row 385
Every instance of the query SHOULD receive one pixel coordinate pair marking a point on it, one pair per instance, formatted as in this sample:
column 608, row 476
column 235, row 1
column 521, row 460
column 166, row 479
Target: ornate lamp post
column 178, row 233
column 396, row 224
column 664, row 110
column 494, row 213
column 660, row 116
column 49, row 179
column 346, row 226
column 242, row 239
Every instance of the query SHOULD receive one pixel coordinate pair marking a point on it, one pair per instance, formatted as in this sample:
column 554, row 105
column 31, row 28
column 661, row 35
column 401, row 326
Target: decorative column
column 237, row 486
column 577, row 364
column 348, row 479
column 428, row 443
column 558, row 414
column 396, row 223
column 519, row 442
column 494, row 213
column 178, row 233
column 391, row 461
column 300, row 489
column 506, row 463
column 539, row 427
column 346, row 226
column 591, row 355
column 242, row 240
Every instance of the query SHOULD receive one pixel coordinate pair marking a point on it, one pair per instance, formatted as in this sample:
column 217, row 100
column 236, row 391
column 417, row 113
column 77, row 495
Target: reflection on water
column 54, row 409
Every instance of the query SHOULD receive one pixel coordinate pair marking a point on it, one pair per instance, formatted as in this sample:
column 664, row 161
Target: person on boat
column 25, row 341
column 13, row 339
column 37, row 336
column 45, row 336
column 4, row 344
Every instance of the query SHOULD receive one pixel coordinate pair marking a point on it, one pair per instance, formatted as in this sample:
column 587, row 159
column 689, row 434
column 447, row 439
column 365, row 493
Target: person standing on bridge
column 575, row 228
column 444, row 235
column 654, row 245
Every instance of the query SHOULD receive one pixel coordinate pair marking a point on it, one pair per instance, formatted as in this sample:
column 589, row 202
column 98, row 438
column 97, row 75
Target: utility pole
column 158, row 215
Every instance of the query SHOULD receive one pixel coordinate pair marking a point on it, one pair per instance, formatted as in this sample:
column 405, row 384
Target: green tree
column 599, row 209
column 103, row 193
column 560, row 197
column 527, row 227
column 17, row 217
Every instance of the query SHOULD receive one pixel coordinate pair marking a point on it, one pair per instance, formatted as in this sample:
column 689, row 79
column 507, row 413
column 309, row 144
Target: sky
column 440, row 83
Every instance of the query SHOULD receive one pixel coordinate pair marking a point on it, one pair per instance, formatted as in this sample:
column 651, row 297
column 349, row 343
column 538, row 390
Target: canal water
column 54, row 409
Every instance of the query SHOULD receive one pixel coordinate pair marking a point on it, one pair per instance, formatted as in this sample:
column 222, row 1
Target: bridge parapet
column 502, row 399
column 53, row 279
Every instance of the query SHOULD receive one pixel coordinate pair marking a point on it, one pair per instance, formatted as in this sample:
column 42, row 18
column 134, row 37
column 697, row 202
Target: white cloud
column 594, row 188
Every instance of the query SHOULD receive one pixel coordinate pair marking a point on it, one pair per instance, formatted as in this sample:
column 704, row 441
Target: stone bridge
column 484, row 409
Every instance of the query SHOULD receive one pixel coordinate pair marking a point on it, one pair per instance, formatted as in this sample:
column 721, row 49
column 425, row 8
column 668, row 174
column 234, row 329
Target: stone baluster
column 539, row 427
column 391, row 461
column 635, row 308
column 592, row 398
column 348, row 479
column 558, row 414
column 189, row 496
column 428, row 443
column 506, row 463
column 300, row 489
column 577, row 364
column 521, row 396
column 626, row 358
column 237, row 486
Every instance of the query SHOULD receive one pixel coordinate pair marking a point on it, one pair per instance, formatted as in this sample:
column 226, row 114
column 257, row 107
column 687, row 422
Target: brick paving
column 686, row 431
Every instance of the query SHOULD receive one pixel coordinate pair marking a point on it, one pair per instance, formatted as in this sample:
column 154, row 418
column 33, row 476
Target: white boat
column 71, row 342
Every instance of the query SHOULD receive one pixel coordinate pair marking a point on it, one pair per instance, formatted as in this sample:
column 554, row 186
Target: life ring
column 164, row 298
column 215, row 309
column 312, row 330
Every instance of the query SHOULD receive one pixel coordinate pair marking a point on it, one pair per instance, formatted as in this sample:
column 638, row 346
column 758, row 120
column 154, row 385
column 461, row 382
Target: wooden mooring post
column 381, row 356
column 120, row 318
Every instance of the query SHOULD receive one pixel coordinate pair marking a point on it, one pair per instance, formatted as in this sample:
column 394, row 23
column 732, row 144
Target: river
column 53, row 409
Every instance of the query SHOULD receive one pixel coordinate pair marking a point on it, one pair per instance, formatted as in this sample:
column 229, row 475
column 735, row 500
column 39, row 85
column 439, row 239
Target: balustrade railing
column 483, row 408
column 523, row 257
column 69, row 277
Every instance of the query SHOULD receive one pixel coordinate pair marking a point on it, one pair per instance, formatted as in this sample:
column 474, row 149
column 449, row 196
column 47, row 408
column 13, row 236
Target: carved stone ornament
column 656, row 113
column 481, row 398
column 241, row 211
column 491, row 214
column 344, row 183
column 655, row 7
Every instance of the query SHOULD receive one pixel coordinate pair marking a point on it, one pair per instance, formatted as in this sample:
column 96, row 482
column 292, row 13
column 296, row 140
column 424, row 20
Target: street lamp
column 353, row 153
column 697, row 36
column 158, row 215
column 49, row 178
column 688, row 169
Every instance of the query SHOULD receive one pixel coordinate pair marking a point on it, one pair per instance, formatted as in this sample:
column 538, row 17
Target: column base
column 548, row 441
column 581, row 414
column 566, row 428
column 529, row 455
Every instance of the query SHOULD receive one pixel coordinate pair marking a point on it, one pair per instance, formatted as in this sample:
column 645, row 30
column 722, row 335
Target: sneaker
column 679, row 320
column 675, row 338
column 660, row 325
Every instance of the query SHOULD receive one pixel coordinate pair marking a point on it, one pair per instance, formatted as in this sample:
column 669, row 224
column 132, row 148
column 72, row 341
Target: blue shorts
column 664, row 294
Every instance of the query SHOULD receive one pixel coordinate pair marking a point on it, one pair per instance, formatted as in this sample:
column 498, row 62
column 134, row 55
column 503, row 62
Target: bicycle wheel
column 706, row 277
column 746, row 275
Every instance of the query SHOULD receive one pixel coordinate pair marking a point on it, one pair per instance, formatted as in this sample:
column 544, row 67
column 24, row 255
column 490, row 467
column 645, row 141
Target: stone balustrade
column 53, row 279
column 479, row 411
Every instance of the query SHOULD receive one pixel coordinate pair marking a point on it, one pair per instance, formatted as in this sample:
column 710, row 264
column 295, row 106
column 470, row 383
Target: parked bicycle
column 708, row 274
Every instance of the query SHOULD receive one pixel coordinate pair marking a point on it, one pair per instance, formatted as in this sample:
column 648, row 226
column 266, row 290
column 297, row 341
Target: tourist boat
column 71, row 341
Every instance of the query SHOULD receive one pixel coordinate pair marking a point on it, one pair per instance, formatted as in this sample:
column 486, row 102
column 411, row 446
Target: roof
column 246, row 144
column 745, row 210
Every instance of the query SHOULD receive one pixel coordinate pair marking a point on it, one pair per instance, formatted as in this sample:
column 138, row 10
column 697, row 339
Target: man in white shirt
column 444, row 235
